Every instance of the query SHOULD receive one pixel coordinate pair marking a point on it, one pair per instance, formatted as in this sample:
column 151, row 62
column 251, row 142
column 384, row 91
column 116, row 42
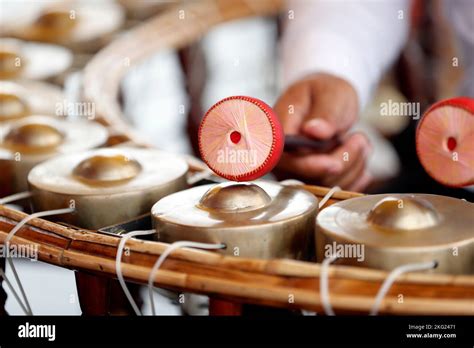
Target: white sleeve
column 354, row 40
column 461, row 16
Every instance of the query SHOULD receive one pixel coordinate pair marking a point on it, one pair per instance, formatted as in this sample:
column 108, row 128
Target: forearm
column 353, row 40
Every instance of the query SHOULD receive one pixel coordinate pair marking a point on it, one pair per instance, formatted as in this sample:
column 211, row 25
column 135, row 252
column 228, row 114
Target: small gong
column 260, row 219
column 240, row 138
column 23, row 98
column 386, row 231
column 79, row 25
column 445, row 141
column 106, row 186
column 34, row 139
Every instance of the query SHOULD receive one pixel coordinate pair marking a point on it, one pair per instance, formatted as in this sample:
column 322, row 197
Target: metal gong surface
column 21, row 98
column 12, row 107
column 39, row 61
column 59, row 135
column 402, row 228
column 260, row 219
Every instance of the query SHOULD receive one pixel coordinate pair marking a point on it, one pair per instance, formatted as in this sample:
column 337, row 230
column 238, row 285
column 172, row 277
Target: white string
column 15, row 197
column 10, row 236
column 3, row 201
column 324, row 284
column 164, row 255
column 328, row 195
column 387, row 284
column 324, row 277
column 12, row 289
column 118, row 268
column 291, row 182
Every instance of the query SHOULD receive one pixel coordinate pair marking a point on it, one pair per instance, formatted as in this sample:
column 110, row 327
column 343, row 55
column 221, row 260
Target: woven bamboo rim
column 103, row 74
column 265, row 282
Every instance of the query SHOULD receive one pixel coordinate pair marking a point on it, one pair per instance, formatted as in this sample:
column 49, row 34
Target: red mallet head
column 445, row 142
column 240, row 138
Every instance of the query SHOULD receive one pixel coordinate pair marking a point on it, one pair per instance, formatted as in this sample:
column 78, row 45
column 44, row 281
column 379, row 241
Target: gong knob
column 56, row 20
column 234, row 197
column 107, row 169
column 33, row 138
column 10, row 63
column 12, row 107
column 408, row 213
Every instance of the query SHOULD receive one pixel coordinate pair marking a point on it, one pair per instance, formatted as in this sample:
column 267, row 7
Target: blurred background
column 165, row 95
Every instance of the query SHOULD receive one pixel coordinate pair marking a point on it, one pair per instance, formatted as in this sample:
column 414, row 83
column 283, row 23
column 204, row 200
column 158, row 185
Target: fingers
column 355, row 149
column 292, row 107
column 319, row 129
column 319, row 106
column 344, row 167
column 309, row 166
column 360, row 184
column 349, row 176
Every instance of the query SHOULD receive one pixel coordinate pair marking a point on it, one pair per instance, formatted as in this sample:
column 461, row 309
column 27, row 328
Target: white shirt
column 460, row 13
column 358, row 39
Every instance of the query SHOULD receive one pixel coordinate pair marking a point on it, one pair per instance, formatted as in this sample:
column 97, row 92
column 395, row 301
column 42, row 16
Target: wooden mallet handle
column 300, row 142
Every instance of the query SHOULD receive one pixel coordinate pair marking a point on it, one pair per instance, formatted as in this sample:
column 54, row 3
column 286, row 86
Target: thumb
column 319, row 128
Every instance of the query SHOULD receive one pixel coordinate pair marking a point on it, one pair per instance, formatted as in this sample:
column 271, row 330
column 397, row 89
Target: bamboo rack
column 280, row 283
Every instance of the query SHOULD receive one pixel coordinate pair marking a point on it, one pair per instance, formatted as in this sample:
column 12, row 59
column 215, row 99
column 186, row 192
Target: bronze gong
column 32, row 60
column 106, row 186
column 260, row 219
column 397, row 229
column 24, row 98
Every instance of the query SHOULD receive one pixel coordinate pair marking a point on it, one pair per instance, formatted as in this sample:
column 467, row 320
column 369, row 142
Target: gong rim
column 328, row 223
column 92, row 23
column 262, row 230
column 56, row 175
column 178, row 207
column 40, row 98
column 77, row 135
column 265, row 121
